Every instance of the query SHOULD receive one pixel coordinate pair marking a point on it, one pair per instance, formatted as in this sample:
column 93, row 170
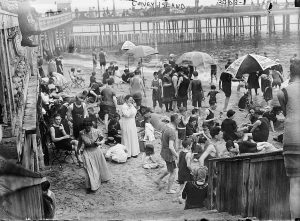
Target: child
column 212, row 94
column 93, row 117
column 78, row 78
column 148, row 161
column 149, row 129
column 184, row 165
column 117, row 76
column 93, row 78
column 268, row 93
column 156, row 85
column 206, row 131
column 243, row 102
column 48, row 199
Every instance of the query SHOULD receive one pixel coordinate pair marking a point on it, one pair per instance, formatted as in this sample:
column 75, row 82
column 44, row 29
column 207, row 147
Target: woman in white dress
column 128, row 127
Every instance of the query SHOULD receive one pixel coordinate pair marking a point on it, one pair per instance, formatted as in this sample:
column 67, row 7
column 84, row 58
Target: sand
column 131, row 193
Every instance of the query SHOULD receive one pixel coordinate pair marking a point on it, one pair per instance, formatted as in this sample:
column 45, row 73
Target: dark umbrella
column 248, row 64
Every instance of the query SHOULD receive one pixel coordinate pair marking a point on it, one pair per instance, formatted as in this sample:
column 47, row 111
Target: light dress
column 128, row 130
column 94, row 163
column 149, row 132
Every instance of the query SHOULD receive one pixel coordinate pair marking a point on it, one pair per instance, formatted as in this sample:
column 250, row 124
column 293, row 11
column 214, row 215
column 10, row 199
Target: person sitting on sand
column 148, row 161
column 114, row 130
column 195, row 192
column 49, row 201
column 260, row 130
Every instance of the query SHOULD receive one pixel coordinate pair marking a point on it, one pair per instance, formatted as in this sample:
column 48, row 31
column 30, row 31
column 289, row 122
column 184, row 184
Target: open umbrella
column 195, row 58
column 126, row 46
column 248, row 64
column 141, row 51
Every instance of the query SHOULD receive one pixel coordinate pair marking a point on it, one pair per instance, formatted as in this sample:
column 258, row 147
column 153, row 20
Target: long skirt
column 130, row 136
column 95, row 167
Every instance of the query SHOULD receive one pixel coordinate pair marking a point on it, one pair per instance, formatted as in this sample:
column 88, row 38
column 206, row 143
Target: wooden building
column 20, row 193
column 252, row 185
column 18, row 95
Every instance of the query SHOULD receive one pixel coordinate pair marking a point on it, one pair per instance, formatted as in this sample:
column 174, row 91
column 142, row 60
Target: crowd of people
column 187, row 140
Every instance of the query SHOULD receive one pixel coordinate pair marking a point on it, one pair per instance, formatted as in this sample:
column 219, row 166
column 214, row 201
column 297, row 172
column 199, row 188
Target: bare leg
column 163, row 175
column 171, row 181
column 226, row 104
column 106, row 121
column 180, row 192
column 295, row 197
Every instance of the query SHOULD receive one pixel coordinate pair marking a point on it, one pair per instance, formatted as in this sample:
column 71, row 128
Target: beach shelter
column 127, row 46
column 195, row 58
column 249, row 63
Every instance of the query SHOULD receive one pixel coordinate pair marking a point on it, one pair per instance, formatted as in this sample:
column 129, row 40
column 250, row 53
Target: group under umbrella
column 248, row 64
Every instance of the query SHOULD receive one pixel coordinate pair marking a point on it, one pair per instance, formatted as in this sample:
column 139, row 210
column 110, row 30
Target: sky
column 45, row 5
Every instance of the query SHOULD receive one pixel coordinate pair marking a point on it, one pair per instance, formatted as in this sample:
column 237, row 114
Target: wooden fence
column 253, row 185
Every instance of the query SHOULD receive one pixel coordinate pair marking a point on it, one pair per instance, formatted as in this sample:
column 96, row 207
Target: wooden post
column 217, row 20
column 148, row 26
column 8, row 73
column 283, row 24
column 250, row 26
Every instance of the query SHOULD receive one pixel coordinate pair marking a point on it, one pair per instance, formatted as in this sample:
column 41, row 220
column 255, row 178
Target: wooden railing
column 253, row 185
column 46, row 23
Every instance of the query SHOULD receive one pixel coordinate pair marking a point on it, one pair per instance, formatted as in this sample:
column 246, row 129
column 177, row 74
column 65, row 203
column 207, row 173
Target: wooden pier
column 107, row 32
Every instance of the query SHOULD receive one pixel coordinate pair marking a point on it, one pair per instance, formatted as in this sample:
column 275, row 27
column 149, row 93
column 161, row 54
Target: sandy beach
column 131, row 193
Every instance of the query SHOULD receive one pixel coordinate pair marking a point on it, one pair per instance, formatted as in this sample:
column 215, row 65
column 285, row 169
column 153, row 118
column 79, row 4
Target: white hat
column 277, row 60
column 172, row 55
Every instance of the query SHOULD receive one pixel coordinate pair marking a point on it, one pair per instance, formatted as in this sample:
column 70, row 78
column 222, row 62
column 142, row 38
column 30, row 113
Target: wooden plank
column 5, row 70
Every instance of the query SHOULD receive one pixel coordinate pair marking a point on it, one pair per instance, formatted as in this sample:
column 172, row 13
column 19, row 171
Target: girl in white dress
column 128, row 127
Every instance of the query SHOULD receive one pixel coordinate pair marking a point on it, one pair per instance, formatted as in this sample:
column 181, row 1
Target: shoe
column 89, row 191
column 135, row 156
column 171, row 192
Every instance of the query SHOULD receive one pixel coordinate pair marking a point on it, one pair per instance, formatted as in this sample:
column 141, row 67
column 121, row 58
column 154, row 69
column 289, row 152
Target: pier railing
column 162, row 11
column 253, row 185
column 46, row 23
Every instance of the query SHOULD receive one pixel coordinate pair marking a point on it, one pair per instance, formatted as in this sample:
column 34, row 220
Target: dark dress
column 225, row 78
column 261, row 133
column 168, row 91
column 253, row 81
column 229, row 128
column 182, row 92
column 211, row 115
column 184, row 173
column 181, row 130
column 77, row 115
column 194, row 194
